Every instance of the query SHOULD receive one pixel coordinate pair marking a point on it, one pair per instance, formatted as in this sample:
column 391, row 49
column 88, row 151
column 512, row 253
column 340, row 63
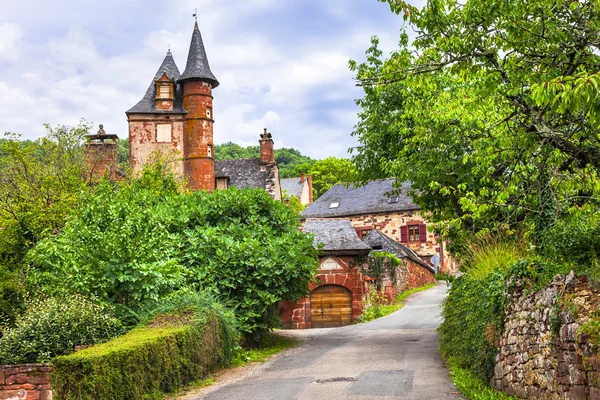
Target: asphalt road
column 395, row 357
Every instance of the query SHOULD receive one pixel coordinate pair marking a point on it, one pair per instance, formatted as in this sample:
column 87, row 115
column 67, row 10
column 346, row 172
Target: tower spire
column 197, row 67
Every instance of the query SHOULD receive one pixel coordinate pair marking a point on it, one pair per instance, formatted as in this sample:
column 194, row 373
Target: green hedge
column 143, row 363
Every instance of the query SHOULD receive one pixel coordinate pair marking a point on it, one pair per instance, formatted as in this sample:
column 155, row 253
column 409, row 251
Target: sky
column 281, row 64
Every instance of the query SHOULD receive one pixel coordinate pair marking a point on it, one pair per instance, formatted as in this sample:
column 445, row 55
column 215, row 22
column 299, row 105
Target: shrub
column 143, row 363
column 575, row 240
column 473, row 310
column 492, row 252
column 131, row 244
column 54, row 326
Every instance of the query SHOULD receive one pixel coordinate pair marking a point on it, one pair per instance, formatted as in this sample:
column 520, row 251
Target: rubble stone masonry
column 544, row 353
column 25, row 382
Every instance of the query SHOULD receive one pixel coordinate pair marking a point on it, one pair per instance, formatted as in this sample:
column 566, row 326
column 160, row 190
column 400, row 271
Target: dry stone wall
column 544, row 354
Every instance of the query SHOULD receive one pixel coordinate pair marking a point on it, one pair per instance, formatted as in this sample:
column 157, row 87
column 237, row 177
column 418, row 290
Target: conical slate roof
column 148, row 103
column 197, row 63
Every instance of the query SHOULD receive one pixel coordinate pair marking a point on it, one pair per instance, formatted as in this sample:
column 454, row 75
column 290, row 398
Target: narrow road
column 395, row 357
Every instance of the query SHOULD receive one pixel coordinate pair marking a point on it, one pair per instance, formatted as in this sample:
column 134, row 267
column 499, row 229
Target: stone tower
column 174, row 119
column 198, row 82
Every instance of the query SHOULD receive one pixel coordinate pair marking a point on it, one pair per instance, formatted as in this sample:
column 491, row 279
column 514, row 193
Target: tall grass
column 493, row 252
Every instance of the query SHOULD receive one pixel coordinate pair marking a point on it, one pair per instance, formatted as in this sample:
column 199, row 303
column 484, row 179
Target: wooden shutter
column 423, row 233
column 404, row 234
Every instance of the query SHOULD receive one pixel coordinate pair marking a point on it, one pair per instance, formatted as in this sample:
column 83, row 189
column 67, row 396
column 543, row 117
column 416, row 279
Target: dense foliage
column 40, row 184
column 491, row 112
column 54, row 326
column 134, row 242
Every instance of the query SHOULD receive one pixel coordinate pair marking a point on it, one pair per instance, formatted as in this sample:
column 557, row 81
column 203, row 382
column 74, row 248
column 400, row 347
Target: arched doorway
column 330, row 306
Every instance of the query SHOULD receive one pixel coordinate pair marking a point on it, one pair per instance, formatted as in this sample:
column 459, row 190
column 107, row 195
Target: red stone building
column 175, row 118
column 337, row 299
column 379, row 205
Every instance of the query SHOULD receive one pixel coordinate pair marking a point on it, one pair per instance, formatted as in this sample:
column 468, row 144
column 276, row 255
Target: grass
column 271, row 345
column 491, row 253
column 398, row 303
column 472, row 387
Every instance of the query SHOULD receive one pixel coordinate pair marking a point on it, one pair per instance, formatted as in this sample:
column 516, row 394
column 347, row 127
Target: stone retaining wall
column 543, row 354
column 25, row 382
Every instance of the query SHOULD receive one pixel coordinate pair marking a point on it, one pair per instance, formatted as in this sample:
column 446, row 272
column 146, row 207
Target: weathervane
column 195, row 14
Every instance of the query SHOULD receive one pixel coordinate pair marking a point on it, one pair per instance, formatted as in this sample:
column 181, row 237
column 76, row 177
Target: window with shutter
column 422, row 233
column 163, row 133
column 413, row 233
column 404, row 234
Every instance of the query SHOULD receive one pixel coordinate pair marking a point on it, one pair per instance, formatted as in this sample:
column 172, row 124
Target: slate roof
column 292, row 186
column 355, row 200
column 246, row 173
column 338, row 237
column 378, row 240
column 197, row 63
column 148, row 103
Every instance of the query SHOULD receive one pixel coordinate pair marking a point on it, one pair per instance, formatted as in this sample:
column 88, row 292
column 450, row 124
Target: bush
column 54, row 326
column 575, row 240
column 492, row 252
column 134, row 243
column 473, row 315
column 142, row 364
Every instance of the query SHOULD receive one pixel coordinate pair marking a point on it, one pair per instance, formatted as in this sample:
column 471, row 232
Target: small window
column 208, row 113
column 335, row 204
column 364, row 233
column 209, row 150
column 165, row 91
column 393, row 199
column 163, row 133
column 221, row 183
column 413, row 233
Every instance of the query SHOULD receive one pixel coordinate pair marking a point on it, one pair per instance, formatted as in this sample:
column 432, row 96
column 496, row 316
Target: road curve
column 394, row 357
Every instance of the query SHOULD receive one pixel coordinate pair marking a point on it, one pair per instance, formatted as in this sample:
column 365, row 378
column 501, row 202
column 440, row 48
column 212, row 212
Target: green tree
column 136, row 242
column 492, row 112
column 232, row 151
column 330, row 171
column 40, row 184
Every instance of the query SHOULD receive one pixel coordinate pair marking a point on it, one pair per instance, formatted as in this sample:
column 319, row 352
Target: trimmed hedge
column 143, row 363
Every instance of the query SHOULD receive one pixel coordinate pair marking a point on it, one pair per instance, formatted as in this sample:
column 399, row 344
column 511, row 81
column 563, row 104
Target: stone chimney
column 267, row 154
column 302, row 179
column 101, row 152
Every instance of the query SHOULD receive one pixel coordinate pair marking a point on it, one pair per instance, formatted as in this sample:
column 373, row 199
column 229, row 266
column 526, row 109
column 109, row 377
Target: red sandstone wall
column 25, row 382
column 142, row 140
column 199, row 166
column 102, row 160
column 418, row 275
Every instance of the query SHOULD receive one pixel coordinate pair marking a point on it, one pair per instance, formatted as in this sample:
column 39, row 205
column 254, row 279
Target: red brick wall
column 296, row 315
column 25, row 382
column 199, row 167
column 102, row 160
column 418, row 275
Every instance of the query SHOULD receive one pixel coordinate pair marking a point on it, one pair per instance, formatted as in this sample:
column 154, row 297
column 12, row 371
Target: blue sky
column 282, row 64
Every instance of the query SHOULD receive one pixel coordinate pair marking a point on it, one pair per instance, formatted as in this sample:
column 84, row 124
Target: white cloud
column 91, row 61
column 10, row 42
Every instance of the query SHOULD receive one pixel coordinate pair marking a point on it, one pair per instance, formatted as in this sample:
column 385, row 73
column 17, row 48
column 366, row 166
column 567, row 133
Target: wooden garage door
column 330, row 306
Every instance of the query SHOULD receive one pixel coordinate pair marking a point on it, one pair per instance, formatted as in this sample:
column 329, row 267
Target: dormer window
column 334, row 204
column 164, row 91
column 393, row 199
